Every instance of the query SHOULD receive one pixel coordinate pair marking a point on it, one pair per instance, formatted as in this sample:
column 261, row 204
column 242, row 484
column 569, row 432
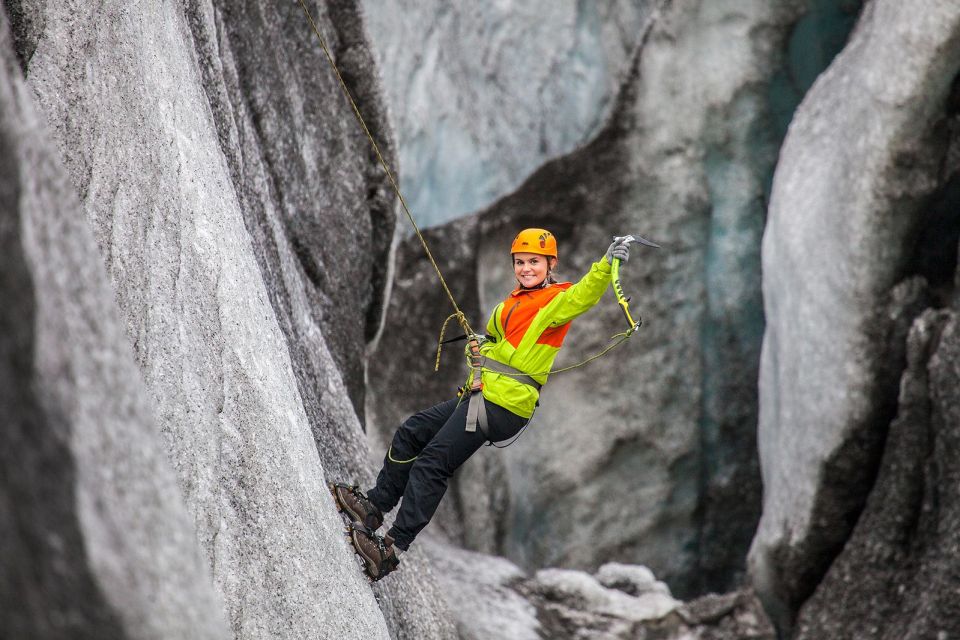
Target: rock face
column 94, row 539
column 667, row 432
column 619, row 601
column 897, row 572
column 482, row 93
column 863, row 158
column 281, row 124
column 234, row 204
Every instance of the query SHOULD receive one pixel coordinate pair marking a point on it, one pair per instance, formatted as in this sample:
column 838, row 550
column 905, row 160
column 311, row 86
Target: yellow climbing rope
column 458, row 314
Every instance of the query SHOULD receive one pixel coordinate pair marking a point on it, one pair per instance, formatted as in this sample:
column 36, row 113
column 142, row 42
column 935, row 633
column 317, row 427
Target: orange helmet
column 539, row 241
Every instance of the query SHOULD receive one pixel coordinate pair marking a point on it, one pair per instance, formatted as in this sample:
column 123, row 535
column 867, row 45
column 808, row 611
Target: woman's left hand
column 619, row 249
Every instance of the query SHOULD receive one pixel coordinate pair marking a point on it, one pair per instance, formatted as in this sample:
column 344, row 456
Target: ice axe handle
column 622, row 300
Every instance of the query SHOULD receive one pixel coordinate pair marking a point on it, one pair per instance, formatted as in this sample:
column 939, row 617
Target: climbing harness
column 477, row 362
column 476, row 409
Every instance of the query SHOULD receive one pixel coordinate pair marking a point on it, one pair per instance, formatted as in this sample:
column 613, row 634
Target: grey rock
column 897, row 571
column 632, row 579
column 586, row 590
column 709, row 608
column 668, row 435
column 493, row 598
column 731, row 616
column 237, row 209
column 573, row 604
column 482, row 93
column 315, row 204
column 94, row 539
column 480, row 591
column 862, row 157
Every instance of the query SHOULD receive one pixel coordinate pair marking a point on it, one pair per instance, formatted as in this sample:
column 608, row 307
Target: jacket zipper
column 509, row 313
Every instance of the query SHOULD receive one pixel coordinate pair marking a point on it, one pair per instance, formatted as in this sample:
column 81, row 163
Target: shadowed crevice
column 48, row 589
column 27, row 22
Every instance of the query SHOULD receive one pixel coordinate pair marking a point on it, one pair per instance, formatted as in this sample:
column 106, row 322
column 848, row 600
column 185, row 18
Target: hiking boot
column 377, row 553
column 357, row 505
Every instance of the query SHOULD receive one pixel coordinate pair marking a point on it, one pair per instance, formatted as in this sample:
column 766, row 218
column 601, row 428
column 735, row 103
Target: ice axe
column 623, row 300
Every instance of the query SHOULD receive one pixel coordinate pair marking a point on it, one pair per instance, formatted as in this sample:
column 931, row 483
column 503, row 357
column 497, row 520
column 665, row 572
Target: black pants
column 427, row 448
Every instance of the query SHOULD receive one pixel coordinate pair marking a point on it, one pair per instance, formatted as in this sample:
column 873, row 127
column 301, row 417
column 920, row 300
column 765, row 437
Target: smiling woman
column 524, row 335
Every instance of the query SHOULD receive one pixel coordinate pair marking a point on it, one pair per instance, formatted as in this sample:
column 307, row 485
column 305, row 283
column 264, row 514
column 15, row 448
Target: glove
column 619, row 249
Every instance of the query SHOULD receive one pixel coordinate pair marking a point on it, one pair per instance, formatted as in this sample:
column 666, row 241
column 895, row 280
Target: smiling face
column 531, row 268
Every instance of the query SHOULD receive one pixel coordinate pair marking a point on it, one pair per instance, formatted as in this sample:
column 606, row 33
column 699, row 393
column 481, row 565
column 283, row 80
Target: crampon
column 376, row 552
column 355, row 505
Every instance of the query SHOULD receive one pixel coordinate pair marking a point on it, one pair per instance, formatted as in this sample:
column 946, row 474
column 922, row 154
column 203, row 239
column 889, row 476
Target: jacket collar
column 520, row 290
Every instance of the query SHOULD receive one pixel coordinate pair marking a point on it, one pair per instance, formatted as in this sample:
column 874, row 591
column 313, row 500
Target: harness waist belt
column 476, row 409
column 516, row 374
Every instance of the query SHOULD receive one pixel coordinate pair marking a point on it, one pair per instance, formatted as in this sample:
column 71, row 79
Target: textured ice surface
column 481, row 93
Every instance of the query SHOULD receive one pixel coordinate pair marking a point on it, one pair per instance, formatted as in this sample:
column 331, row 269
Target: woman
column 525, row 332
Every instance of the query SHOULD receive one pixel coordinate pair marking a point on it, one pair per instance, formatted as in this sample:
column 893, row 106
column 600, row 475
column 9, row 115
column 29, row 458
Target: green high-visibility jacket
column 529, row 327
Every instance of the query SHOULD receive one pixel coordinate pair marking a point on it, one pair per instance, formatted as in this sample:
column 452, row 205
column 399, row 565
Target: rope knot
column 462, row 321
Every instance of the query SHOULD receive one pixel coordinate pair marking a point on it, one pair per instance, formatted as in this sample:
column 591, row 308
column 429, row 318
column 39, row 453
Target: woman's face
column 531, row 268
